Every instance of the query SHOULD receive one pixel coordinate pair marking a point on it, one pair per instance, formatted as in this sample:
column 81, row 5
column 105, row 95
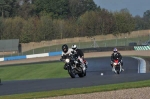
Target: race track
column 96, row 66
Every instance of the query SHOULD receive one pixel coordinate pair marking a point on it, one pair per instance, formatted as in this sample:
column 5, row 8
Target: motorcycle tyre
column 82, row 74
column 72, row 75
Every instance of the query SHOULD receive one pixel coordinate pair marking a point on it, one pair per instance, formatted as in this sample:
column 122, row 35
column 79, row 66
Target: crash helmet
column 74, row 47
column 65, row 48
column 115, row 50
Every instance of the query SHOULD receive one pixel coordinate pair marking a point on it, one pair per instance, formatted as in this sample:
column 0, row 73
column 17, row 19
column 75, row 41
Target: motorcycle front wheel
column 118, row 69
column 71, row 72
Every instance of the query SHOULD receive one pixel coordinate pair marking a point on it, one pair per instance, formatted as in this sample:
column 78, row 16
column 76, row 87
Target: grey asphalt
column 96, row 66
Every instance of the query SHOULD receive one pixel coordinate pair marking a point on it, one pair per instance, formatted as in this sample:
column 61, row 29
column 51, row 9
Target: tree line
column 38, row 20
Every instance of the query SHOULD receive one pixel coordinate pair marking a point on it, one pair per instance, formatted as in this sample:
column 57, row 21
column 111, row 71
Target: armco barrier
column 37, row 55
column 55, row 53
column 1, row 59
column 14, row 58
column 30, row 56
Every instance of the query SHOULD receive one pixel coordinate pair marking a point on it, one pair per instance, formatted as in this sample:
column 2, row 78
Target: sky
column 135, row 7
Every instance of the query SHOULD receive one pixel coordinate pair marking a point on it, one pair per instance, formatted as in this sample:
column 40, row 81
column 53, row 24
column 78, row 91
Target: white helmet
column 74, row 47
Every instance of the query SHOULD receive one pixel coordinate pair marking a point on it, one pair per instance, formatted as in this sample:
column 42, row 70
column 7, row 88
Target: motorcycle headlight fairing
column 115, row 63
column 67, row 60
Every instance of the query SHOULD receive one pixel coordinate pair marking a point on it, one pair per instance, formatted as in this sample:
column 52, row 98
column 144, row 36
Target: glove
column 72, row 52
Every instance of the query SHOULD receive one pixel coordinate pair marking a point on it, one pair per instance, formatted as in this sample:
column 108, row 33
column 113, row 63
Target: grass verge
column 33, row 71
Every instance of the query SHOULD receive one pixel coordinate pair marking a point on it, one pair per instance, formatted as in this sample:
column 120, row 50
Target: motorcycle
column 117, row 66
column 74, row 66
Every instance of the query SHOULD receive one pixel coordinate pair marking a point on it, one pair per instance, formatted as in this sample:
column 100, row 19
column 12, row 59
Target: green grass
column 84, row 90
column 33, row 71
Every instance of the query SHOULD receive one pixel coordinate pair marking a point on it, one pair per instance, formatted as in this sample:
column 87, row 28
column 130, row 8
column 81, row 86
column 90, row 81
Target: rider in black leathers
column 116, row 55
column 80, row 54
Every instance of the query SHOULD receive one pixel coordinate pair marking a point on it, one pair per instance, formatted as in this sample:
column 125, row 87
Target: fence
column 59, row 53
column 83, row 42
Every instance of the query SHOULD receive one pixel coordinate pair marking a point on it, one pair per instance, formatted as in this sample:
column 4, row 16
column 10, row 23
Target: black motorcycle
column 74, row 66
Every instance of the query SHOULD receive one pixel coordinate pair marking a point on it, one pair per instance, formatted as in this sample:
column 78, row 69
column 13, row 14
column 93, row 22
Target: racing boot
column 122, row 68
column 86, row 66
column 83, row 66
column 85, row 62
column 65, row 67
column 113, row 68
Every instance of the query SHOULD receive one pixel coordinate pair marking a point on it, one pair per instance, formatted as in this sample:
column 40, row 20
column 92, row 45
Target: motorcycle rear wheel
column 82, row 74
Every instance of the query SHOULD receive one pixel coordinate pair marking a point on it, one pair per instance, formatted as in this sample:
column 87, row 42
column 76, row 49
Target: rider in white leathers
column 65, row 51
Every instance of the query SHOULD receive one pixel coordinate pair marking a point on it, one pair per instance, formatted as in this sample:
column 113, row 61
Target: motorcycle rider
column 80, row 55
column 116, row 55
column 65, row 52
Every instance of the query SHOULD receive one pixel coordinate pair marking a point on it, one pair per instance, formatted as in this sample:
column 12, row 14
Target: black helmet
column 65, row 48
